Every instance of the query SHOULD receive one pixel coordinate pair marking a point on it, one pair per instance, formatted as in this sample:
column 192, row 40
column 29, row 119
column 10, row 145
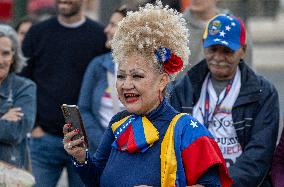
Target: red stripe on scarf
column 199, row 156
column 123, row 138
column 131, row 145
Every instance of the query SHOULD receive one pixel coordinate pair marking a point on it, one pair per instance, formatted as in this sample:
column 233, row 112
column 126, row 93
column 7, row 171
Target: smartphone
column 72, row 115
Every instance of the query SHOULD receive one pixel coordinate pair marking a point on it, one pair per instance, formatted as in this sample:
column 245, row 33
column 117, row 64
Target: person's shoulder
column 200, row 66
column 265, row 85
column 23, row 80
column 20, row 82
column 94, row 24
column 44, row 25
column 182, row 82
column 185, row 82
column 101, row 58
column 94, row 31
column 267, row 88
column 190, row 128
column 188, row 121
column 42, row 29
column 265, row 82
column 98, row 61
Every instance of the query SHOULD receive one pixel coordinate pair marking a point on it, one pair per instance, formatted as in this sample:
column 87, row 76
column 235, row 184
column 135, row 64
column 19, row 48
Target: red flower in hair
column 173, row 64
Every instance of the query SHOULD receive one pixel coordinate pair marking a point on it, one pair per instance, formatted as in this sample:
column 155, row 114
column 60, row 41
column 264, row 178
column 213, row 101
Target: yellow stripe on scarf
column 168, row 156
column 115, row 125
column 151, row 133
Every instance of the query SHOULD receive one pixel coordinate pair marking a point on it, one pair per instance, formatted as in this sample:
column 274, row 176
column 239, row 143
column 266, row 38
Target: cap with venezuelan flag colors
column 226, row 30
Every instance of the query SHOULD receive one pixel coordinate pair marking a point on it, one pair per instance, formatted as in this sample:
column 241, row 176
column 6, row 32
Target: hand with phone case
column 74, row 146
column 75, row 138
column 72, row 116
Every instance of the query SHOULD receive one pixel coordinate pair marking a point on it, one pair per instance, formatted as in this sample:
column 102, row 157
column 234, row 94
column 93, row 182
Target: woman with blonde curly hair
column 150, row 143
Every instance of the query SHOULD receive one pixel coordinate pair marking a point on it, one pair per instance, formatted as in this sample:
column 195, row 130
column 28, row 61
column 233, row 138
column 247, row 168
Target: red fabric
column 243, row 32
column 200, row 156
column 184, row 4
column 123, row 138
column 34, row 5
column 6, row 9
column 131, row 145
column 173, row 65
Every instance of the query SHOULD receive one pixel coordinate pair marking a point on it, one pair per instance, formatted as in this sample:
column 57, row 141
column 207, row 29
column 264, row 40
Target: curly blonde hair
column 146, row 30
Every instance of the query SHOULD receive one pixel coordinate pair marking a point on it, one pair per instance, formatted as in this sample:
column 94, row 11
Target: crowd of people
column 166, row 99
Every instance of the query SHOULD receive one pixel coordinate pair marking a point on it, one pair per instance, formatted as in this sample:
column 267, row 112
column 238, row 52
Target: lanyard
column 218, row 104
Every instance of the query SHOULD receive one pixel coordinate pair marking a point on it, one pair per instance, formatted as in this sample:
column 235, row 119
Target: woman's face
column 139, row 86
column 202, row 6
column 112, row 27
column 6, row 57
column 22, row 31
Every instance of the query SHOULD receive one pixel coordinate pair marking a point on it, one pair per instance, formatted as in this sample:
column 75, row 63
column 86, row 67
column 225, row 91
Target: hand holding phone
column 72, row 116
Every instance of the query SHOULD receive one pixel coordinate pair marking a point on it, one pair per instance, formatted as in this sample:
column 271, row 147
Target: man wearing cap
column 197, row 16
column 239, row 107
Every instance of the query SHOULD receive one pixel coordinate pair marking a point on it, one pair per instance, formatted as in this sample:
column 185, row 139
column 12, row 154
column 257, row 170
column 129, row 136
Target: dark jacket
column 255, row 115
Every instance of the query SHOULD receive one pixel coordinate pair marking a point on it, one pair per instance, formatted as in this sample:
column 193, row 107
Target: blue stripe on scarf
column 139, row 135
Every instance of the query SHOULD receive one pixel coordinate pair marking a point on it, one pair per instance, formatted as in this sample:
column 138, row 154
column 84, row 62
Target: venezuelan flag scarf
column 187, row 149
column 134, row 134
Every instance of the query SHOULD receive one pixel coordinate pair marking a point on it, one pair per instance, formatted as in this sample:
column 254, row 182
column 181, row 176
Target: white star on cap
column 224, row 42
column 233, row 24
column 217, row 40
column 222, row 33
column 228, row 28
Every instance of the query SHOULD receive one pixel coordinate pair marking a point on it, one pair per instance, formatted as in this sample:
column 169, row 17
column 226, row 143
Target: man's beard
column 75, row 9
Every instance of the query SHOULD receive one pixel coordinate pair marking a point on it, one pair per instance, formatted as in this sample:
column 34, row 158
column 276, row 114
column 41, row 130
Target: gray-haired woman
column 17, row 101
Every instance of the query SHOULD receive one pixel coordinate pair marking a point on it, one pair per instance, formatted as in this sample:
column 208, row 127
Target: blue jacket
column 93, row 87
column 255, row 115
column 16, row 91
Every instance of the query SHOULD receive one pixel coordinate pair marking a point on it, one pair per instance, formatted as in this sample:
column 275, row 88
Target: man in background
column 59, row 50
column 239, row 107
column 197, row 17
